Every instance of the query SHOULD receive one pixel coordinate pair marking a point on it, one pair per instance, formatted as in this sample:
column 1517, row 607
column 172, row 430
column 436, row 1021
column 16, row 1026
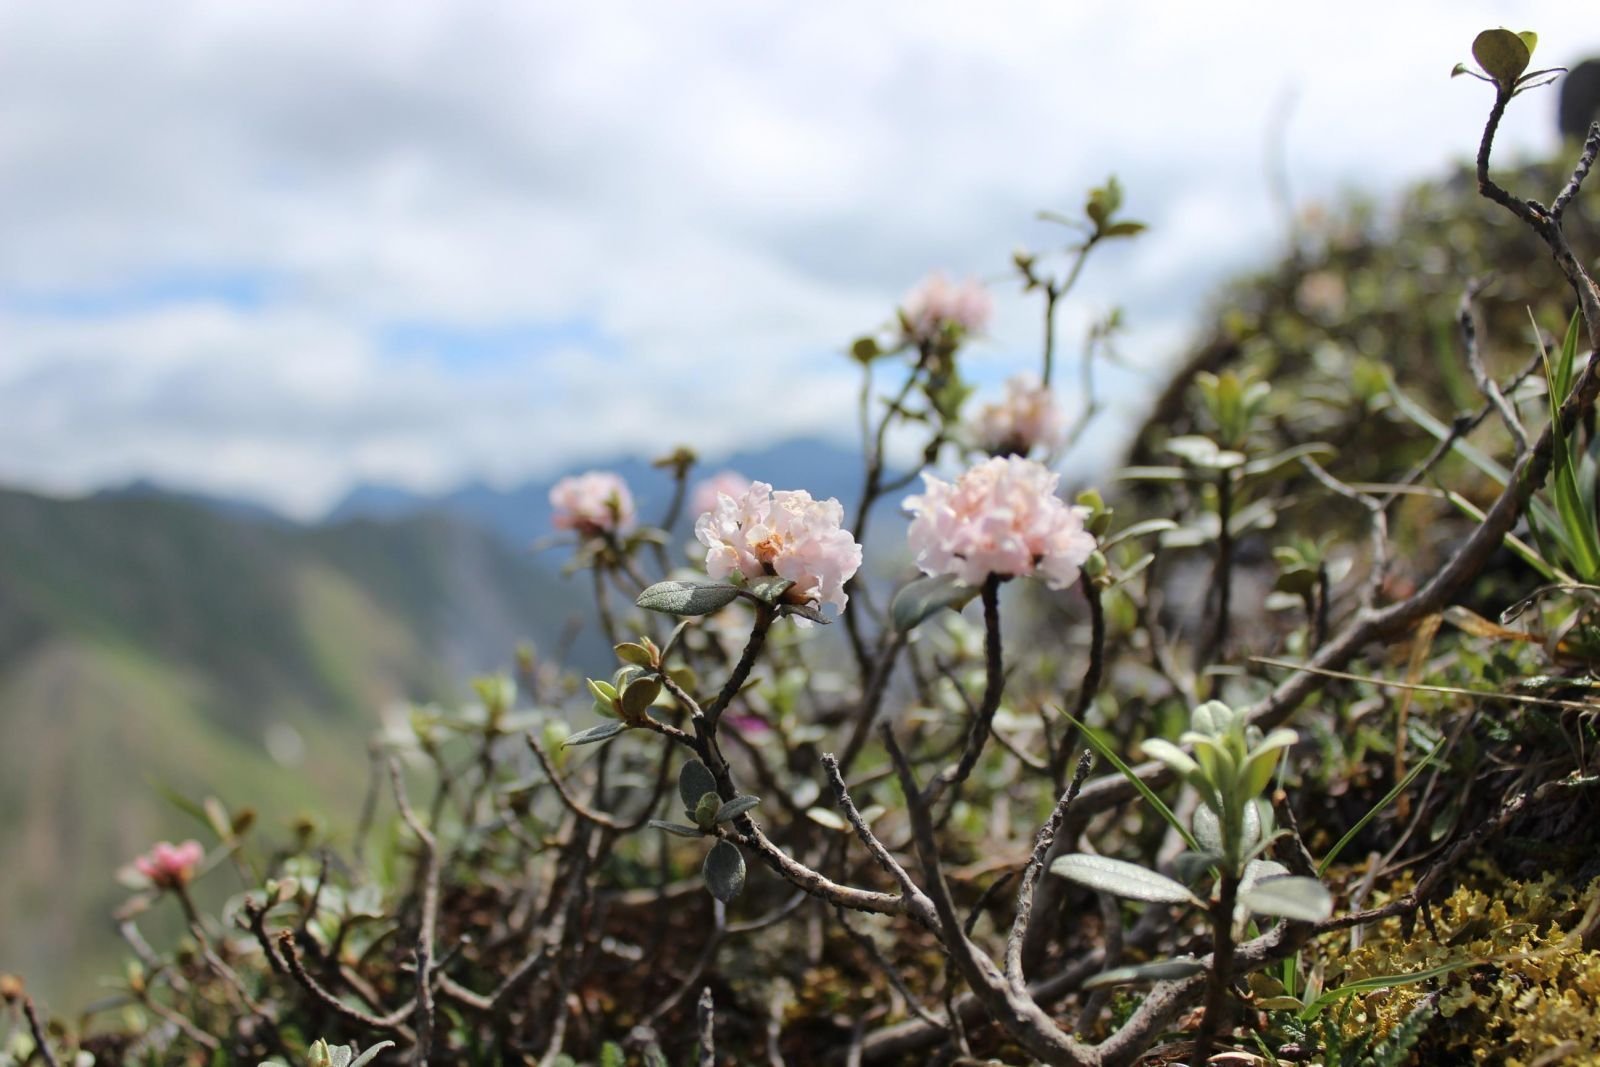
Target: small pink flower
column 1027, row 418
column 787, row 534
column 937, row 303
column 170, row 866
column 751, row 726
column 593, row 504
column 723, row 483
column 1001, row 517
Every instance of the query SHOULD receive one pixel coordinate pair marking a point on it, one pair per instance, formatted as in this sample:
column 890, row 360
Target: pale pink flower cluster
column 1027, row 418
column 937, row 302
column 592, row 504
column 1001, row 517
column 169, row 866
column 787, row 534
column 725, row 483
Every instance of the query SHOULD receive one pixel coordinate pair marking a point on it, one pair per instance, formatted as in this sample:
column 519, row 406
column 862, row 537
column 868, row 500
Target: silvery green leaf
column 1289, row 897
column 1260, row 870
column 1207, row 828
column 1170, row 754
column 695, row 780
column 1156, row 971
column 604, row 732
column 1121, row 879
column 676, row 828
column 1204, row 453
column 1213, row 717
column 805, row 611
column 724, row 871
column 736, row 807
column 1191, row 865
column 830, row 819
column 371, row 1053
column 698, row 597
column 769, row 589
column 918, row 600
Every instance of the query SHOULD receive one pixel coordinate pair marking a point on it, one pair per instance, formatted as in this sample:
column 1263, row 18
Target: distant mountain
column 230, row 506
column 150, row 641
column 521, row 515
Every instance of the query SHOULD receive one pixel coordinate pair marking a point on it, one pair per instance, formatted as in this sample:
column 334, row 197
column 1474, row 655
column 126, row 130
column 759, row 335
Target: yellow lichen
column 1531, row 994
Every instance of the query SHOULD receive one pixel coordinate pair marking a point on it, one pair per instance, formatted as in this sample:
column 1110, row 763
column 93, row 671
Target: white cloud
column 725, row 192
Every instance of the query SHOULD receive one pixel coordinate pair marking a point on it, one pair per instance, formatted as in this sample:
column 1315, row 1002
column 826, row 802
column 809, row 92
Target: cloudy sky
column 271, row 249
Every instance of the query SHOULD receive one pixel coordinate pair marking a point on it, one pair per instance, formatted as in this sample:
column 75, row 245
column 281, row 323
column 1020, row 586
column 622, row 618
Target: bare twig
column 41, row 1042
column 1031, row 873
column 706, row 1046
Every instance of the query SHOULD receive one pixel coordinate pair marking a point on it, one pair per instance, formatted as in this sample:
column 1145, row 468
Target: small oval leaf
column 1502, row 54
column 736, row 807
column 1157, row 971
column 604, row 732
column 1128, row 880
column 675, row 828
column 699, row 597
column 724, row 871
column 694, row 782
column 1291, row 897
column 925, row 597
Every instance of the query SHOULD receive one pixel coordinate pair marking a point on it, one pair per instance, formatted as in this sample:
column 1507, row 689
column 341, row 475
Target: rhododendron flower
column 937, row 303
column 170, row 866
column 1002, row 517
column 726, row 483
column 1027, row 418
column 786, row 534
column 593, row 504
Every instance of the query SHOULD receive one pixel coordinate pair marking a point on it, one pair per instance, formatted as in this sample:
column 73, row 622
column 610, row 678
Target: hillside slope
column 149, row 643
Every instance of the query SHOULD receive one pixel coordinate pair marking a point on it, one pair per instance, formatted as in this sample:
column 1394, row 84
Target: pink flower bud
column 170, row 866
column 786, row 534
column 1028, row 418
column 593, row 504
column 722, row 483
column 936, row 303
column 1001, row 517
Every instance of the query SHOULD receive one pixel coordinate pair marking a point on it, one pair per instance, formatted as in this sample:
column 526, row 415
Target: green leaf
column 698, row 597
column 1138, row 529
column 724, row 871
column 1124, row 229
column 805, row 611
column 1388, row 798
column 865, row 349
column 1138, row 783
column 920, row 599
column 1290, row 897
column 1122, row 879
column 1155, row 971
column 1582, row 538
column 635, row 654
column 695, row 780
column 371, row 1053
column 1503, row 55
column 736, row 807
column 637, row 698
column 676, row 828
column 604, row 732
column 1204, row 453
column 769, row 589
column 705, row 811
column 1377, row 982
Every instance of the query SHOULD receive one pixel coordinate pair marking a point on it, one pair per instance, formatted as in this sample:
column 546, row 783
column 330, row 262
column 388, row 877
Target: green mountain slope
column 149, row 643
